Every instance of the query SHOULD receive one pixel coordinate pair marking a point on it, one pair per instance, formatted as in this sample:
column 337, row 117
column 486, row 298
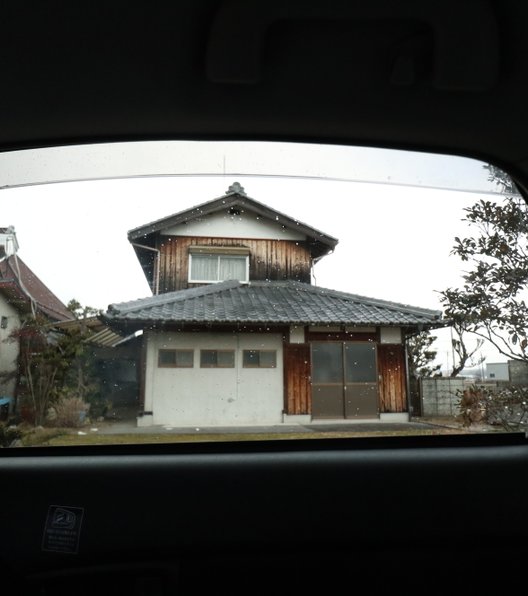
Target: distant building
column 498, row 371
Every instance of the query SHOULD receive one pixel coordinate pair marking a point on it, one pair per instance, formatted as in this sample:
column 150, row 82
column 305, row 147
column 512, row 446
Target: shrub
column 9, row 434
column 99, row 406
column 70, row 412
column 506, row 407
column 472, row 405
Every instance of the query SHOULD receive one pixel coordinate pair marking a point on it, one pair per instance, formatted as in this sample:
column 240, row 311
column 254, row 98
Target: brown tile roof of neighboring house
column 276, row 302
column 20, row 285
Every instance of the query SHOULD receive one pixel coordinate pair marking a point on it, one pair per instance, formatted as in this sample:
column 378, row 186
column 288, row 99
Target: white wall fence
column 440, row 396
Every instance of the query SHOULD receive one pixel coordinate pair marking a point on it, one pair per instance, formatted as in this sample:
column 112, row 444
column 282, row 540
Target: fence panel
column 440, row 396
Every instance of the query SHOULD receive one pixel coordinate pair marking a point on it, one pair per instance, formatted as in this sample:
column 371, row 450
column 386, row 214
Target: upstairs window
column 211, row 265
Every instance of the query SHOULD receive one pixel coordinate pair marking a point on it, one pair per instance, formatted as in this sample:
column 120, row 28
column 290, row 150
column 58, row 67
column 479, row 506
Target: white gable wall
column 213, row 396
column 245, row 225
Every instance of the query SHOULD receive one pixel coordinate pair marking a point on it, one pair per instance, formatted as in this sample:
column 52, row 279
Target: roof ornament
column 236, row 188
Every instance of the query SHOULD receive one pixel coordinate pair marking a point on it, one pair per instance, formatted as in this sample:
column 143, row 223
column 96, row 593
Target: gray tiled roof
column 276, row 302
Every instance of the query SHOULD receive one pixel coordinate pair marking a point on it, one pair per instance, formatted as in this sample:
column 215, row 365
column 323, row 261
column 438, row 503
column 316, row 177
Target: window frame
column 175, row 351
column 219, row 255
column 217, row 351
column 258, row 365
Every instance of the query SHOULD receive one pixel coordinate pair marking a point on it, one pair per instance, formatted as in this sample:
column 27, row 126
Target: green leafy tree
column 43, row 360
column 421, row 359
column 81, row 379
column 55, row 363
column 491, row 303
column 463, row 355
column 80, row 312
column 421, row 356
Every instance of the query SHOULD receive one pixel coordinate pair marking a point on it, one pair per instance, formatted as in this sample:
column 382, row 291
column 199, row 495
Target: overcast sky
column 395, row 232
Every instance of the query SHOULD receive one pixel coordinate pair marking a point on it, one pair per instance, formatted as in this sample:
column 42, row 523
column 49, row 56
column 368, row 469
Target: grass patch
column 65, row 437
column 73, row 439
column 41, row 436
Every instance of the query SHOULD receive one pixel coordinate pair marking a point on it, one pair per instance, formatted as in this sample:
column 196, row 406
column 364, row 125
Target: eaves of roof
column 100, row 333
column 107, row 338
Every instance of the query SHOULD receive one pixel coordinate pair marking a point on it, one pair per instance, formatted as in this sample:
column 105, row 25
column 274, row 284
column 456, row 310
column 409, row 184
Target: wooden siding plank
column 391, row 369
column 297, row 380
column 269, row 259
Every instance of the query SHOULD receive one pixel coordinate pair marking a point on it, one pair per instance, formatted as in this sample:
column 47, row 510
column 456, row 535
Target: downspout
column 156, row 265
column 314, row 262
column 32, row 301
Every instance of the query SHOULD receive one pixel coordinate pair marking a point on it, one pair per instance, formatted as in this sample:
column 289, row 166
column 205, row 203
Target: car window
column 232, row 291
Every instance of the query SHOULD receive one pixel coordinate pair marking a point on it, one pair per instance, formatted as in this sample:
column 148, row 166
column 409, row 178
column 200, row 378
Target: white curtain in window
column 204, row 267
column 232, row 268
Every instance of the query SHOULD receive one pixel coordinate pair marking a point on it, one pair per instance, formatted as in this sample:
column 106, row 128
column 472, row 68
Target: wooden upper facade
column 246, row 239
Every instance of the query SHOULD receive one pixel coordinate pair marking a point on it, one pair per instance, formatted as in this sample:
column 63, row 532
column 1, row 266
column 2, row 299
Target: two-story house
column 236, row 333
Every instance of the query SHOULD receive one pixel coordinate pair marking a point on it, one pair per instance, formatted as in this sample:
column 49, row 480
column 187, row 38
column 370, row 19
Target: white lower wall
column 213, row 396
column 8, row 347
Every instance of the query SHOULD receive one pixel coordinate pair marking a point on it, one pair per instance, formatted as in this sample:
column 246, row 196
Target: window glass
column 204, row 267
column 260, row 359
column 217, row 358
column 327, row 362
column 176, row 358
column 208, row 358
column 225, row 358
column 267, row 359
column 213, row 268
column 232, row 268
column 360, row 363
column 251, row 358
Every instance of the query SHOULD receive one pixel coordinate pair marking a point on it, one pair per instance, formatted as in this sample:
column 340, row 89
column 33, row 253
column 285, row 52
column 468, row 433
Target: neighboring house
column 22, row 293
column 236, row 333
